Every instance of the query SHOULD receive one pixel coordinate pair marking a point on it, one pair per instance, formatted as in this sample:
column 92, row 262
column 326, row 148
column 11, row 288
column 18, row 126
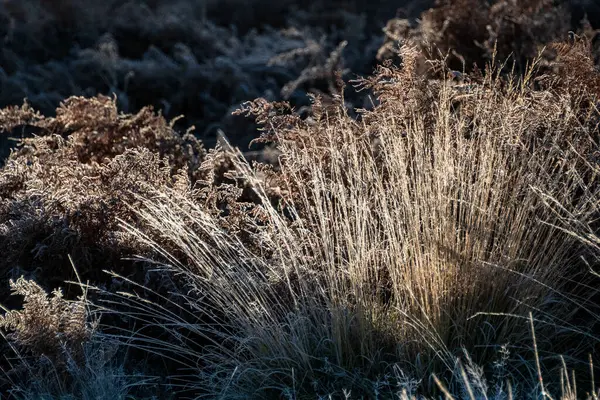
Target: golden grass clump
column 398, row 241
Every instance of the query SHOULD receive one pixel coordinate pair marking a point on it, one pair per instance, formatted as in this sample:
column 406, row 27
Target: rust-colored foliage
column 476, row 31
column 67, row 190
column 47, row 326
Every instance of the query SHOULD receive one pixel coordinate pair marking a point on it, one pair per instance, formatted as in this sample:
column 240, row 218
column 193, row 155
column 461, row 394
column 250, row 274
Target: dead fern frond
column 48, row 326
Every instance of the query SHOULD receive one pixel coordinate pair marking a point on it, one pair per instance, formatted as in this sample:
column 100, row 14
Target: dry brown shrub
column 65, row 191
column 68, row 190
column 14, row 116
column 97, row 131
column 574, row 69
column 476, row 31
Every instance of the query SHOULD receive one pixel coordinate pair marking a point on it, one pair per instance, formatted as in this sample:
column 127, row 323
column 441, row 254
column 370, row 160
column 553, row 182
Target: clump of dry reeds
column 395, row 242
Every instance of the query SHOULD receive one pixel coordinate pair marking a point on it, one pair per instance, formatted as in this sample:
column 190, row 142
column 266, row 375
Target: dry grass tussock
column 386, row 248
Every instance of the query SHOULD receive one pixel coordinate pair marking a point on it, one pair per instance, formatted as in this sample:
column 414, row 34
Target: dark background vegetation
column 199, row 59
